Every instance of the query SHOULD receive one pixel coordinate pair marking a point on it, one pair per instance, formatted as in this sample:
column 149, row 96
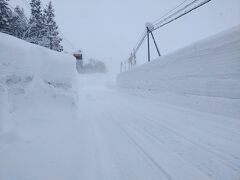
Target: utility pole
column 149, row 58
column 150, row 28
column 121, row 67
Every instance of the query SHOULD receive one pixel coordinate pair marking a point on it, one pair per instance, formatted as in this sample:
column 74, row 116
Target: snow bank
column 21, row 61
column 30, row 73
column 209, row 68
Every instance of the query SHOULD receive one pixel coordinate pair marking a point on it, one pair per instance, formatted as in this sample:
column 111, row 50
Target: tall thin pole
column 155, row 44
column 149, row 57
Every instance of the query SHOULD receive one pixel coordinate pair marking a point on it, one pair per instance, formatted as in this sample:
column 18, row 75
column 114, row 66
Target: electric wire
column 160, row 22
column 169, row 11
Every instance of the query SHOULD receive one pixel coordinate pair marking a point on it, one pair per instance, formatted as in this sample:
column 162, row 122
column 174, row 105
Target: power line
column 170, row 11
column 140, row 39
column 140, row 42
column 181, row 15
column 145, row 34
column 68, row 41
column 172, row 17
column 175, row 13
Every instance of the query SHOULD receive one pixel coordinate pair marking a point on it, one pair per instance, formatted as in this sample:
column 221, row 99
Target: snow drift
column 209, row 68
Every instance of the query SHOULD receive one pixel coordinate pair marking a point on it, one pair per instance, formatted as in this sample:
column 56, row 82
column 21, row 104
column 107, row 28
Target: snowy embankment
column 204, row 76
column 32, row 76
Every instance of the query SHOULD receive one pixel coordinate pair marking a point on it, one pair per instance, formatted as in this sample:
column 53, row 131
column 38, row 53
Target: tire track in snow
column 167, row 153
column 145, row 153
column 203, row 146
column 200, row 149
column 196, row 164
column 233, row 165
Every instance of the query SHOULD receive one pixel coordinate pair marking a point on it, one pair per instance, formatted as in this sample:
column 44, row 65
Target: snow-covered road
column 135, row 138
column 117, row 136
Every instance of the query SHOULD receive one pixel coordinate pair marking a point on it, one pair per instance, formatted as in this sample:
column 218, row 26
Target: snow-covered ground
column 146, row 130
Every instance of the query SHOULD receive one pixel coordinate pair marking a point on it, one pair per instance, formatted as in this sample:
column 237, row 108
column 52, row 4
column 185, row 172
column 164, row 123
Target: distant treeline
column 40, row 28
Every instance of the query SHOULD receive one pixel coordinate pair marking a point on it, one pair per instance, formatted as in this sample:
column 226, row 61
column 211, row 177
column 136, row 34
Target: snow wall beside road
column 210, row 67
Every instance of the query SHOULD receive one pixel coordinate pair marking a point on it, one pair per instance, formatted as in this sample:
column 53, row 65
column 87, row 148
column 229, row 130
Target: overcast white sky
column 107, row 29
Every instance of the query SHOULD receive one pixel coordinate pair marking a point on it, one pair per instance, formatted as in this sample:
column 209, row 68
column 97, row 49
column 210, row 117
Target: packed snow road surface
column 116, row 136
column 128, row 137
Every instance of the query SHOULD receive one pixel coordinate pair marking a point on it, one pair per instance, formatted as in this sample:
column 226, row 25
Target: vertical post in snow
column 121, row 67
column 149, row 57
column 155, row 44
